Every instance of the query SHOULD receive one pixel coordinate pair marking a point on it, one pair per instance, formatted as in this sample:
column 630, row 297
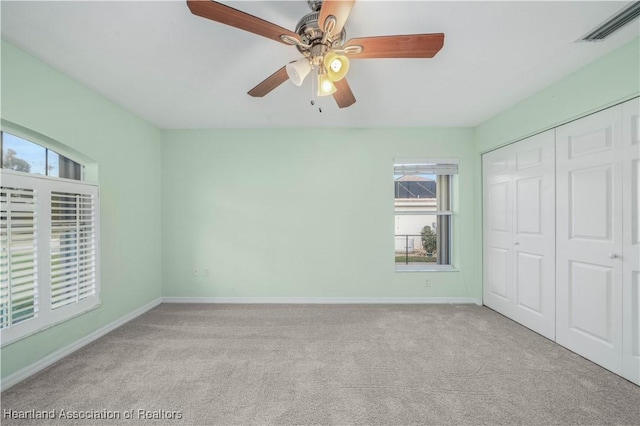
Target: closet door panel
column 529, row 282
column 589, row 237
column 498, row 229
column 534, row 233
column 498, row 271
column 519, row 228
column 631, row 239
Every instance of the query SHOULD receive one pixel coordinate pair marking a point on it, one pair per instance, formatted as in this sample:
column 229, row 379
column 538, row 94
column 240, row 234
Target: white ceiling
column 178, row 70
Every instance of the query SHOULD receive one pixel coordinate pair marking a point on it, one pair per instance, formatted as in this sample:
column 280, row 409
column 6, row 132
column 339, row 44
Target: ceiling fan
column 320, row 37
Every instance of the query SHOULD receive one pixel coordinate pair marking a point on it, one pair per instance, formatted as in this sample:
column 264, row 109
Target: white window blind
column 50, row 252
column 18, row 256
column 426, row 169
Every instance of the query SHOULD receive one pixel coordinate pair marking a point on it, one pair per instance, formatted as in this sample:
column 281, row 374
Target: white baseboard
column 326, row 300
column 43, row 363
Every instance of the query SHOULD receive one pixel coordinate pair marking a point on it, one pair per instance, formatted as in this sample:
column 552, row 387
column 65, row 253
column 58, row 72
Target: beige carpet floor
column 326, row 364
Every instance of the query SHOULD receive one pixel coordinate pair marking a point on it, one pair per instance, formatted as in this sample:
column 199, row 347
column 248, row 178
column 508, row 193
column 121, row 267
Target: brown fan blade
column 397, row 46
column 227, row 15
column 343, row 95
column 338, row 8
column 269, row 83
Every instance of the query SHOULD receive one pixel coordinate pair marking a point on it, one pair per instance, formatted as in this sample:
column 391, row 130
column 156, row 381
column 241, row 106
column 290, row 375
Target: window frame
column 47, row 316
column 436, row 162
column 15, row 132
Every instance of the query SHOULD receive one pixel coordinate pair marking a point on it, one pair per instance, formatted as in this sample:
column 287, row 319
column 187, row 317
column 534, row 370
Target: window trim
column 89, row 165
column 434, row 162
column 48, row 317
column 47, row 150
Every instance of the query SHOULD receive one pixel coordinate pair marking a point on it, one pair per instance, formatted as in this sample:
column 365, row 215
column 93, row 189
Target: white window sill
column 423, row 268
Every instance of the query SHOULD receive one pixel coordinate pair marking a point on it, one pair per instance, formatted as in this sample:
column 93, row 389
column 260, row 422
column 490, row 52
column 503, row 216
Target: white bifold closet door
column 519, row 232
column 631, row 240
column 589, row 237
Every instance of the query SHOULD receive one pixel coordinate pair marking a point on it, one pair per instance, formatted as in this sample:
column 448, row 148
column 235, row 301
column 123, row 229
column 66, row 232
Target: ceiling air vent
column 614, row 23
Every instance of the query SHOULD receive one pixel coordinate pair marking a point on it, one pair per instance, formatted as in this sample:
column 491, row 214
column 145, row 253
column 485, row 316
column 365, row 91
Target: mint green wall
column 302, row 212
column 612, row 79
column 127, row 152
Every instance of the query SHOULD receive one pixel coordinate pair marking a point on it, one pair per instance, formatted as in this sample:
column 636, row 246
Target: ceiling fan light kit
column 337, row 66
column 320, row 36
column 298, row 70
column 325, row 85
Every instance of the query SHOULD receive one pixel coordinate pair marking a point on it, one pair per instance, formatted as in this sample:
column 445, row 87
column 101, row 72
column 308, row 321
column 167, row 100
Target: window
column 25, row 156
column 423, row 214
column 49, row 240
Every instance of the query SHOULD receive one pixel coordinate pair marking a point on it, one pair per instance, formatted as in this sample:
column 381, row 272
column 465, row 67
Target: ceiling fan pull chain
column 313, row 89
column 314, row 93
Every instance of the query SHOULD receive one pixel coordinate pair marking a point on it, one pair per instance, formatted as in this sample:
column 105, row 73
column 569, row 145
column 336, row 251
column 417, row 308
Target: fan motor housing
column 311, row 33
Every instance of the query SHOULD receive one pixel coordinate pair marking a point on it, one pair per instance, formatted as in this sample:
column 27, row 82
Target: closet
column 560, row 235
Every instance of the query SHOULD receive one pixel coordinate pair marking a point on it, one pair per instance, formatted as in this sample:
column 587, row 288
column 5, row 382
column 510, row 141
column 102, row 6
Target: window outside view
column 415, row 219
column 22, row 155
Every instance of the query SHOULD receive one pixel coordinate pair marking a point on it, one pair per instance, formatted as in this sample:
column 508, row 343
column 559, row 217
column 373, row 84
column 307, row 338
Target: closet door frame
column 631, row 237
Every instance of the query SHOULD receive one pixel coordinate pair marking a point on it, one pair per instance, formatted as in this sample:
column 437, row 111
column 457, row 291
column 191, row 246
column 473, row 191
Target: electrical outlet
column 207, row 273
column 196, row 272
column 427, row 283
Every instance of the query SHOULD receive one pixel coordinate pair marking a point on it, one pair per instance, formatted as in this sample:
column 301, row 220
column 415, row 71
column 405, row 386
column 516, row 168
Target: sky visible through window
column 33, row 154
